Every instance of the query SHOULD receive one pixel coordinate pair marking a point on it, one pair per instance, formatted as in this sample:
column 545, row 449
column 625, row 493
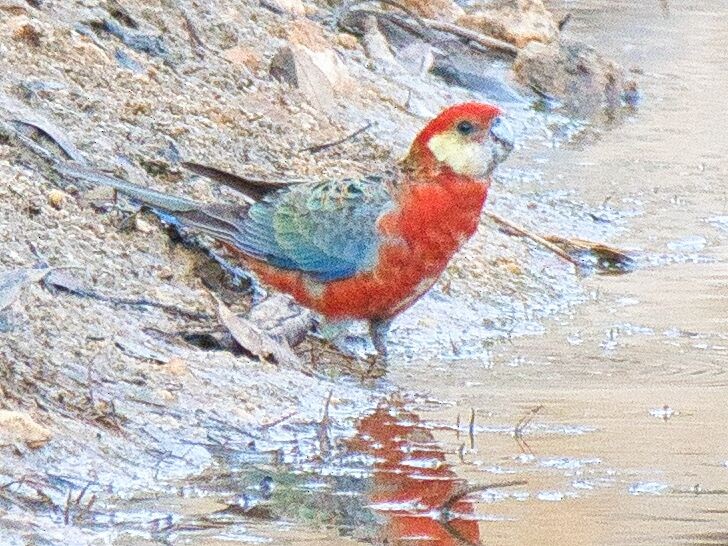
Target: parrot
column 362, row 248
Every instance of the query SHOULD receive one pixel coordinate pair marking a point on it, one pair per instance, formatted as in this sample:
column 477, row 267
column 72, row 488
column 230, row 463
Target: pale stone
column 443, row 10
column 516, row 21
column 572, row 72
column 17, row 427
column 311, row 65
column 244, row 57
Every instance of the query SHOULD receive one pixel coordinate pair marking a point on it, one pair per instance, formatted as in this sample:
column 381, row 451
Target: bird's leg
column 355, row 348
column 378, row 329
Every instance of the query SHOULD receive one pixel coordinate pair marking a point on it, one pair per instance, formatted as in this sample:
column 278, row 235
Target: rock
column 309, row 64
column 245, row 57
column 299, row 67
column 176, row 366
column 574, row 73
column 375, row 44
column 516, row 21
column 467, row 73
column 88, row 51
column 17, row 427
column 166, row 273
column 347, row 41
column 444, row 10
column 14, row 7
column 417, row 57
column 142, row 226
column 25, row 29
column 307, row 34
column 291, row 7
column 313, row 11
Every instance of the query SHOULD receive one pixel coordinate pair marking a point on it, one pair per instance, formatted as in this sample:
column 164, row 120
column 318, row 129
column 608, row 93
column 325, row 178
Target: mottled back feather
column 326, row 229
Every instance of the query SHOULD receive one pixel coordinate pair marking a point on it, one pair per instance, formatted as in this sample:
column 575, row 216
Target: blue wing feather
column 327, row 230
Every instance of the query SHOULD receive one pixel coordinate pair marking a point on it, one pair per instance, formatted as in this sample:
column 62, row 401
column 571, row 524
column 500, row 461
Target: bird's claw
column 377, row 366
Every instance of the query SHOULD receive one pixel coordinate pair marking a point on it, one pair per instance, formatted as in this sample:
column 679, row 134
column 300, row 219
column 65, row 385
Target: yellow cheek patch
column 462, row 156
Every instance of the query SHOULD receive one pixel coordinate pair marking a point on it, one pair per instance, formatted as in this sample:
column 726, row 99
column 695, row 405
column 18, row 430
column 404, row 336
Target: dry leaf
column 254, row 340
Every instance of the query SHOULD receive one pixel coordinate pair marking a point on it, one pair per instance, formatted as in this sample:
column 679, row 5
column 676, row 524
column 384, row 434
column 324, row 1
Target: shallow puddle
column 637, row 375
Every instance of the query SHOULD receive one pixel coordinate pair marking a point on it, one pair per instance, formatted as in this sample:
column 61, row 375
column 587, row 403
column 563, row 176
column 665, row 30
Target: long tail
column 163, row 201
column 253, row 188
column 221, row 222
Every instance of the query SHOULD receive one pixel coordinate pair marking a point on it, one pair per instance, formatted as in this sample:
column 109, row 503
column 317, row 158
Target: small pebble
column 56, row 199
column 142, row 225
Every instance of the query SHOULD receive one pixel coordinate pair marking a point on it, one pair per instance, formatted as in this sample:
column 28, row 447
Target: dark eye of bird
column 465, row 127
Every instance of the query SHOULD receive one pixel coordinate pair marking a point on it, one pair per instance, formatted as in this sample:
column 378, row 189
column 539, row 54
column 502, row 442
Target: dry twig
column 320, row 147
column 581, row 253
column 523, row 232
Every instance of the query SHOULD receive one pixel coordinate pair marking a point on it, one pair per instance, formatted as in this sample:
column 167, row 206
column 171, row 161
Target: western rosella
column 361, row 248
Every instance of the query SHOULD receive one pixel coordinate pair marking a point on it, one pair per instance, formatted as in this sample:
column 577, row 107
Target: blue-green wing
column 327, row 230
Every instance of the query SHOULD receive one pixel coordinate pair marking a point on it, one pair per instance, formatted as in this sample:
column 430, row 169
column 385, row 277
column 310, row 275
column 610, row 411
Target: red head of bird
column 466, row 140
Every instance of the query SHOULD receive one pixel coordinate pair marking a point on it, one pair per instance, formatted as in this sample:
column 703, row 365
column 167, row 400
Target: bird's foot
column 377, row 366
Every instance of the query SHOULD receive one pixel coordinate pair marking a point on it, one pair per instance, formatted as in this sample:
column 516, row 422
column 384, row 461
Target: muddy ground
column 143, row 436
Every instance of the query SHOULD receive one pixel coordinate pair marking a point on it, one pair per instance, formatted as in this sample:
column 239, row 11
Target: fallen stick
column 582, row 253
column 320, row 147
column 483, row 40
column 523, row 232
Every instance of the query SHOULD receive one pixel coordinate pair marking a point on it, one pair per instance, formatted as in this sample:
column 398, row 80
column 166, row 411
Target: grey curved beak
column 502, row 134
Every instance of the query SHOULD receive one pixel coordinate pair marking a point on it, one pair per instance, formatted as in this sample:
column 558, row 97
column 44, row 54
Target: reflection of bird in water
column 412, row 482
